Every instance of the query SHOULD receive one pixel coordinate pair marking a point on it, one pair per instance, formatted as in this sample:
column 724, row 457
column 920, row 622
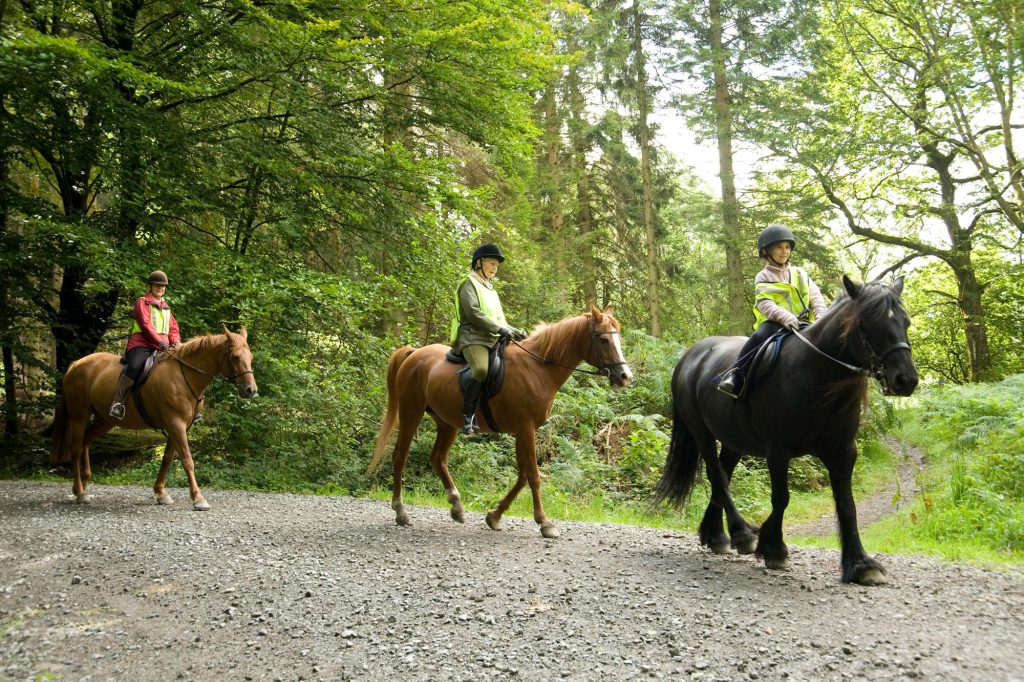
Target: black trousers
column 760, row 335
column 136, row 361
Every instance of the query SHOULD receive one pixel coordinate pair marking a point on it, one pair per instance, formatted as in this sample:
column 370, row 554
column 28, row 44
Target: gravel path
column 900, row 492
column 287, row 587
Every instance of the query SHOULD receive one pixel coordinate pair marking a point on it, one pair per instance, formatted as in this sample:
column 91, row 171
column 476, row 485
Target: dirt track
column 289, row 587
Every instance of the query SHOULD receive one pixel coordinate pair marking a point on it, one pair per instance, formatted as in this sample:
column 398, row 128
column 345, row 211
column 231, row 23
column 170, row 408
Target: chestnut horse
column 170, row 396
column 421, row 380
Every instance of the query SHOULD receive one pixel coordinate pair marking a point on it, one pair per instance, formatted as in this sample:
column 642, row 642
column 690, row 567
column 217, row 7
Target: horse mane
column 556, row 339
column 869, row 308
column 202, row 343
column 852, row 394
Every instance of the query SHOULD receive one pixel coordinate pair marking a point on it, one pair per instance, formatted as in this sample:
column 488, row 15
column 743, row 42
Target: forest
column 320, row 173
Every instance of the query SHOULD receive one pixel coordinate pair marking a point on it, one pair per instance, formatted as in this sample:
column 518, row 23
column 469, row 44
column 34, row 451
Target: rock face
column 289, row 587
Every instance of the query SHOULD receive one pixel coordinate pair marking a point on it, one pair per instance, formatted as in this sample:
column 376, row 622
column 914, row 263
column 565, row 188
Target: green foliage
column 973, row 493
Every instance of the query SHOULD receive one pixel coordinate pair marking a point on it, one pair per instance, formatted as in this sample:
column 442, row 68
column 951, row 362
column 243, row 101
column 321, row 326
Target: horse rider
column 153, row 328
column 477, row 325
column 784, row 297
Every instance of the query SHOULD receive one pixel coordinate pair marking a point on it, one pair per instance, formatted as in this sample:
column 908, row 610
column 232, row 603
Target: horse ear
column 227, row 332
column 244, row 333
column 897, row 286
column 595, row 312
column 608, row 310
column 852, row 288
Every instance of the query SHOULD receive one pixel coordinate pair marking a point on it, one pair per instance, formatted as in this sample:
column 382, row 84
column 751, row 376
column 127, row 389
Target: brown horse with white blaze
column 422, row 380
column 171, row 397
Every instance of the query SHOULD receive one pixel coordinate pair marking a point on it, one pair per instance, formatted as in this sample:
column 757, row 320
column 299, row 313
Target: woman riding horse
column 153, row 328
column 477, row 325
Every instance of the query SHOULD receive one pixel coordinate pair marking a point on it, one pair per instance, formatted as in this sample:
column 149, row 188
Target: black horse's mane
column 874, row 302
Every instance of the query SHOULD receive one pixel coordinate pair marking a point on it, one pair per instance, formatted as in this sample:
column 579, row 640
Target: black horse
column 810, row 403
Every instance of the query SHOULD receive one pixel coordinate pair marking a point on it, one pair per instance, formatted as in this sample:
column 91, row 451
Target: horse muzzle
column 619, row 374
column 898, row 380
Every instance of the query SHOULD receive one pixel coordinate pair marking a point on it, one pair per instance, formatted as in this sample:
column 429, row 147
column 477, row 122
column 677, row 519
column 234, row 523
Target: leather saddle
column 493, row 382
column 495, row 370
column 147, row 369
column 765, row 358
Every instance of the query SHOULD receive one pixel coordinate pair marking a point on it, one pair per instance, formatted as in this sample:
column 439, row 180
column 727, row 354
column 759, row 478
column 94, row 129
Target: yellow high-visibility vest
column 794, row 296
column 490, row 305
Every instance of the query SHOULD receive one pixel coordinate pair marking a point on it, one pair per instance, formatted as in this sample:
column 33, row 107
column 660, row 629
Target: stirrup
column 197, row 418
column 117, row 411
column 731, row 384
column 469, row 427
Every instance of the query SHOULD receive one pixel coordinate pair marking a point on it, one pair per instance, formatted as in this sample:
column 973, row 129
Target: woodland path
column 287, row 587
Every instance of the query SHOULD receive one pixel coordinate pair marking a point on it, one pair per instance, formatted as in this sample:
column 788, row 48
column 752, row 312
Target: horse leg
column 98, row 428
column 493, row 517
column 711, row 531
column 439, row 460
column 76, row 438
column 398, row 457
column 770, row 545
column 857, row 566
column 742, row 535
column 525, row 455
column 159, row 490
column 178, row 440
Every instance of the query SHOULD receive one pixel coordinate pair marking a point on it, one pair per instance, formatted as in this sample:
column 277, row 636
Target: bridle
column 200, row 397
column 876, row 361
column 604, row 371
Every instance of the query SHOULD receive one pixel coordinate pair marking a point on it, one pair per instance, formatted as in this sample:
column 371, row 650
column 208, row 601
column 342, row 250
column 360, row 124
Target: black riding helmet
column 157, row 277
column 774, row 233
column 486, row 251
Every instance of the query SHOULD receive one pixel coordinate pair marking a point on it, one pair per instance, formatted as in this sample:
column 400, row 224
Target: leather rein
column 200, row 397
column 605, row 369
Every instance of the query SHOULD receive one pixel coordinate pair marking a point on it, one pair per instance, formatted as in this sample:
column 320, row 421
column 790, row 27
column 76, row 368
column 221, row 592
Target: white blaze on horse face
column 621, row 357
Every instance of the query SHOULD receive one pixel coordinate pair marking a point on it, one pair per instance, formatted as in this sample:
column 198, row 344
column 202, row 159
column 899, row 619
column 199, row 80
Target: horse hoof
column 403, row 519
column 164, row 499
column 777, row 564
column 871, row 577
column 746, row 546
column 83, row 499
column 458, row 515
column 719, row 549
column 550, row 531
column 493, row 521
column 201, row 505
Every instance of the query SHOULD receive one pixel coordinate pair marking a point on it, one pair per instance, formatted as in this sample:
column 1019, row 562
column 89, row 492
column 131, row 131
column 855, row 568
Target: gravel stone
column 289, row 587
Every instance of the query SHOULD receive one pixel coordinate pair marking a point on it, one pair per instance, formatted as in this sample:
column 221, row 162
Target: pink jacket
column 148, row 336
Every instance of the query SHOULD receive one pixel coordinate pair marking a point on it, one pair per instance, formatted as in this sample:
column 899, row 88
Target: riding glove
column 513, row 333
column 163, row 346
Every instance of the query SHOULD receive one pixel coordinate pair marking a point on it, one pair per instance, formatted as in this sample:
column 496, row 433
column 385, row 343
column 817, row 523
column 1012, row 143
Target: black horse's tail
column 680, row 471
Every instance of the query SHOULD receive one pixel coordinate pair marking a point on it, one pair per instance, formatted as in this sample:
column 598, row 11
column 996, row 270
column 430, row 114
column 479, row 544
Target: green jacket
column 478, row 315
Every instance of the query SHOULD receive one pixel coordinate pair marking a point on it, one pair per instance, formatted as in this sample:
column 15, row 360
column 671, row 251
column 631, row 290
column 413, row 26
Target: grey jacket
column 475, row 328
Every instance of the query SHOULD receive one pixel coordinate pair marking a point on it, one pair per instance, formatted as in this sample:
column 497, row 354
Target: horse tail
column 387, row 427
column 680, row 471
column 59, row 451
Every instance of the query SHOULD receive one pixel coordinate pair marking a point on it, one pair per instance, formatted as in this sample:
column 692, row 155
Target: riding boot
column 124, row 384
column 469, row 404
column 732, row 382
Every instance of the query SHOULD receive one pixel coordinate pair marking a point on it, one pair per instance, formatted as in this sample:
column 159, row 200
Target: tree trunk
column 739, row 313
column 969, row 291
column 553, row 219
column 643, row 125
column 585, row 228
column 10, row 399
